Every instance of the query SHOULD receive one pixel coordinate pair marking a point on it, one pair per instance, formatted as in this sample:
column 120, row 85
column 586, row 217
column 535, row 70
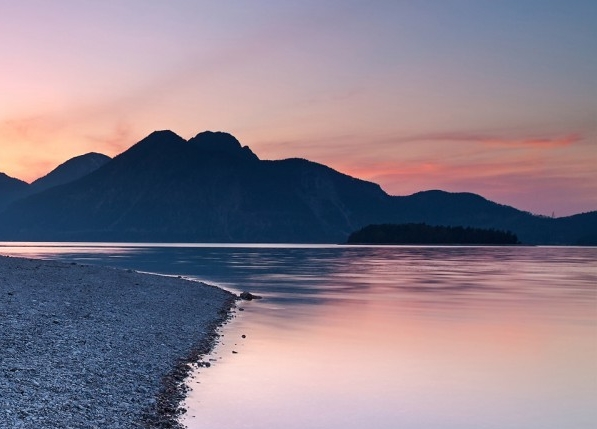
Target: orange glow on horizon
column 505, row 170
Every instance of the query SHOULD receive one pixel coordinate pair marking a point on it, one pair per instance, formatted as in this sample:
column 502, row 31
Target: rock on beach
column 94, row 347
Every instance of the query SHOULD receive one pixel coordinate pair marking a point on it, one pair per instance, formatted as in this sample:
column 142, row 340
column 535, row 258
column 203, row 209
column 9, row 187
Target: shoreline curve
column 86, row 346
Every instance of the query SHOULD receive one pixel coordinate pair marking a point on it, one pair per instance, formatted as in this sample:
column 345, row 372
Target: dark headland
column 92, row 347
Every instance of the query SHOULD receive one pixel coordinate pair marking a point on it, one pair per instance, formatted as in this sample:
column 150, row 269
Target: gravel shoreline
column 93, row 347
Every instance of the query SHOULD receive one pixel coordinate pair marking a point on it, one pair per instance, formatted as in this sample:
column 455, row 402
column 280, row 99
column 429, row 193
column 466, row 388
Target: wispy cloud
column 118, row 139
column 495, row 140
column 34, row 144
column 394, row 148
column 529, row 183
column 29, row 128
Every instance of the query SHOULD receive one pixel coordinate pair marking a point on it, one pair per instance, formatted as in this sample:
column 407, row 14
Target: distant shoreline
column 87, row 345
column 423, row 234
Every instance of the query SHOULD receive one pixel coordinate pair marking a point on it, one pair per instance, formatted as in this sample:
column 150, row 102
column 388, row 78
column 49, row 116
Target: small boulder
column 248, row 296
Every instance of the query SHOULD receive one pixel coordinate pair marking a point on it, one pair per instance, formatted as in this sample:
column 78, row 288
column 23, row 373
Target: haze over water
column 386, row 337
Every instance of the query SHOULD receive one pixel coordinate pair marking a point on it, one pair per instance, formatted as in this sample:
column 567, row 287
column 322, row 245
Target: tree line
column 421, row 233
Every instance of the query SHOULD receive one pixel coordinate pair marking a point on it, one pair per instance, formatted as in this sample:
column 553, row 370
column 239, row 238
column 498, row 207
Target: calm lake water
column 386, row 337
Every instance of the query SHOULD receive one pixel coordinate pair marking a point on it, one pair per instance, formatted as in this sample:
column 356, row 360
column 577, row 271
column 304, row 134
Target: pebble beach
column 93, row 347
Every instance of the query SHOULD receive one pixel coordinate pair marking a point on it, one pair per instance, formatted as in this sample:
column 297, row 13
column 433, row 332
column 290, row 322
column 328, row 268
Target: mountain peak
column 70, row 170
column 10, row 189
column 218, row 141
column 5, row 178
column 162, row 134
column 157, row 142
column 162, row 137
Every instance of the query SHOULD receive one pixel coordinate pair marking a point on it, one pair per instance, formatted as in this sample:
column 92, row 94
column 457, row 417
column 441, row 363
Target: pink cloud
column 495, row 140
column 119, row 139
column 30, row 128
column 528, row 183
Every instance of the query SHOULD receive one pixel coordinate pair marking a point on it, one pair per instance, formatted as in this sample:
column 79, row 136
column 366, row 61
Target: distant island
column 421, row 233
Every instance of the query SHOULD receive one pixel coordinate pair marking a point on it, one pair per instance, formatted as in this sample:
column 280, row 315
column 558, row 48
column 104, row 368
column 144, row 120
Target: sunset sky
column 496, row 97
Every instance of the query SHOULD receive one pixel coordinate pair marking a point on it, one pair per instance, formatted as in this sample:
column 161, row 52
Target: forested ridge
column 421, row 233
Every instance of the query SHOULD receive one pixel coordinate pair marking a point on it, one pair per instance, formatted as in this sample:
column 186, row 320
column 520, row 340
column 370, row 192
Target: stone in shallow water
column 248, row 296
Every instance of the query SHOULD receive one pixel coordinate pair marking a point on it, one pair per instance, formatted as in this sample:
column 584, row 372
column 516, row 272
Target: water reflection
column 386, row 337
column 293, row 274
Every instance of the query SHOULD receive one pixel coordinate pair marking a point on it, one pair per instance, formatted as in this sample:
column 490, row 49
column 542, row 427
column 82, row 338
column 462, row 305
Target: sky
column 493, row 97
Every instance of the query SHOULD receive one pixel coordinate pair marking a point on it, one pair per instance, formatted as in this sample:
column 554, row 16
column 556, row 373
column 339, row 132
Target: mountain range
column 212, row 189
column 12, row 189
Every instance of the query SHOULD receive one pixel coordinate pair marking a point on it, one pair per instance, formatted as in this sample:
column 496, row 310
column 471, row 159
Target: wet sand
column 93, row 347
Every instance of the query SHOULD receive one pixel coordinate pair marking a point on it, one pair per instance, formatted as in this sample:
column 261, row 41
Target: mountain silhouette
column 212, row 189
column 11, row 189
column 69, row 171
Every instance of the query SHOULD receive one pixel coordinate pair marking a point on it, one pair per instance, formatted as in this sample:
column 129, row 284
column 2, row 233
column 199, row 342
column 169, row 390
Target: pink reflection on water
column 386, row 337
column 441, row 345
column 353, row 368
